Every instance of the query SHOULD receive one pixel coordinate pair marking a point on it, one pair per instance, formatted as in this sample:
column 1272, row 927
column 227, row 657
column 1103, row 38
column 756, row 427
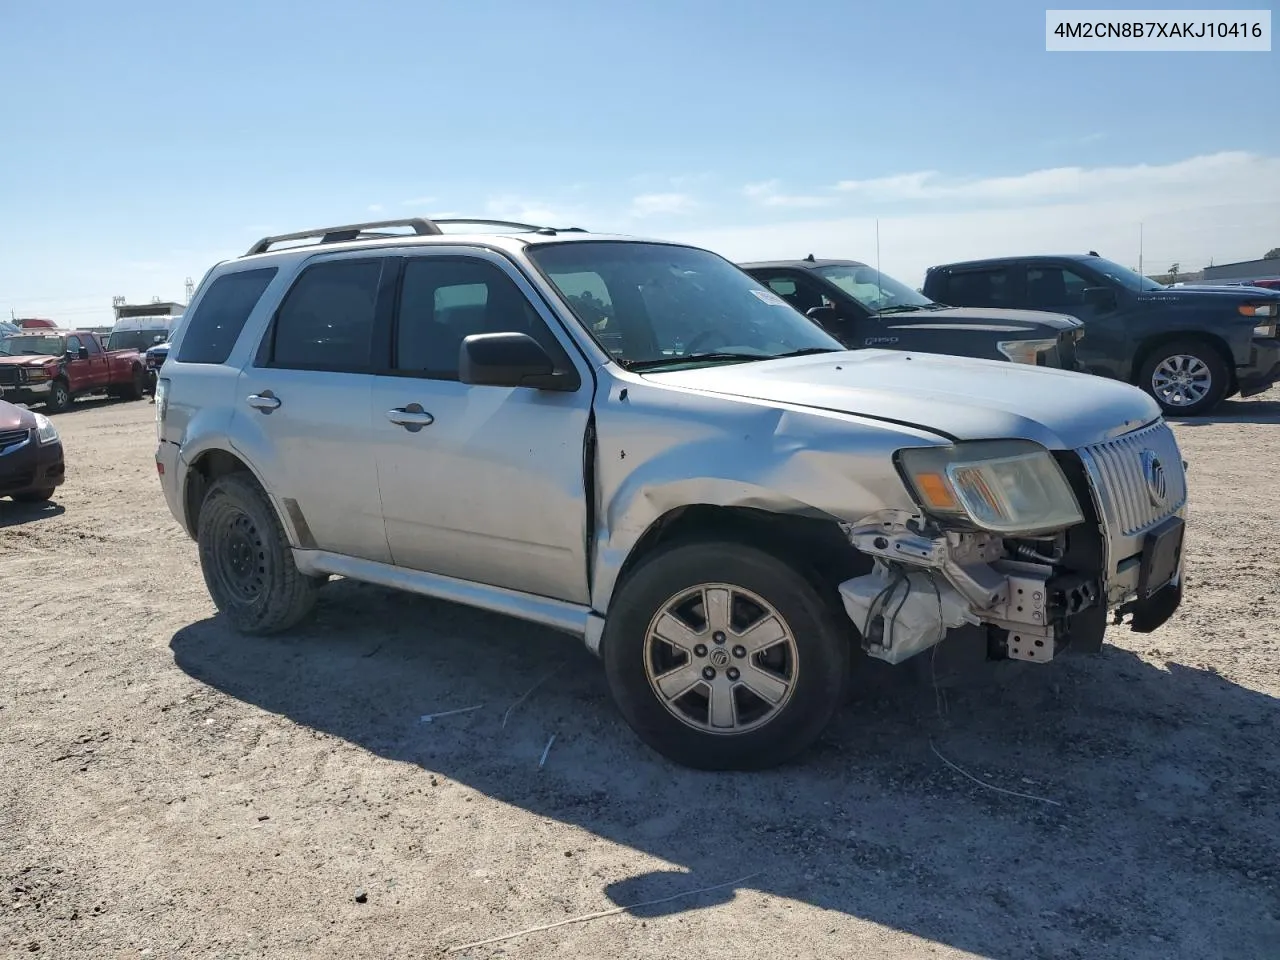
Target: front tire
column 246, row 560
column 59, row 397
column 723, row 657
column 1186, row 378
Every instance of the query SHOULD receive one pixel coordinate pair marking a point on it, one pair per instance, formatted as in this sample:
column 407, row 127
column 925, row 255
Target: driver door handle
column 265, row 401
column 411, row 417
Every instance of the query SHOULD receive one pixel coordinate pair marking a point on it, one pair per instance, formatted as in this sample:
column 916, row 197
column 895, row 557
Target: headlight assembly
column 1011, row 487
column 46, row 432
column 1025, row 351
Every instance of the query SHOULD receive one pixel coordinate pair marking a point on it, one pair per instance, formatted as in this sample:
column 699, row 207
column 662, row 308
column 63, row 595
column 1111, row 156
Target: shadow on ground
column 1160, row 841
column 1237, row 411
column 13, row 513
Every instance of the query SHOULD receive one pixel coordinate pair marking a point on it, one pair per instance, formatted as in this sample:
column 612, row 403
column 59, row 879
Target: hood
column 960, row 398
column 15, row 418
column 26, row 359
column 1210, row 296
column 995, row 320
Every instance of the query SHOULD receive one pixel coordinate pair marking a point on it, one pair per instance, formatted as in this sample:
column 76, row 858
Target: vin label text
column 1134, row 31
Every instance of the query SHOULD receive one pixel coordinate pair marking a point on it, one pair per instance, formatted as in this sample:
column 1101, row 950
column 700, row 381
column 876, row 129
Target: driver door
column 480, row 483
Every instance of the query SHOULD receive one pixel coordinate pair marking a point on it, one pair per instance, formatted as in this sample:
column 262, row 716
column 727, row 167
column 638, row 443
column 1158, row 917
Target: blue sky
column 145, row 140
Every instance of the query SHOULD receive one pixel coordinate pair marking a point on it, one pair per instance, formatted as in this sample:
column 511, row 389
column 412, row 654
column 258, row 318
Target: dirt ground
column 170, row 789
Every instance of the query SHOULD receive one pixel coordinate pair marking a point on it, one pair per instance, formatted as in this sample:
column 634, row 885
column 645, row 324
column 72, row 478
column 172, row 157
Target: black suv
column 862, row 307
column 1189, row 347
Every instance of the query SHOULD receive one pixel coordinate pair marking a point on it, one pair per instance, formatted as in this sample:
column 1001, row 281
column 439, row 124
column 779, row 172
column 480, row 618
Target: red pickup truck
column 54, row 367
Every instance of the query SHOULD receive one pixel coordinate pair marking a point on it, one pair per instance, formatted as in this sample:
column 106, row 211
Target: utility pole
column 190, row 288
column 1140, row 273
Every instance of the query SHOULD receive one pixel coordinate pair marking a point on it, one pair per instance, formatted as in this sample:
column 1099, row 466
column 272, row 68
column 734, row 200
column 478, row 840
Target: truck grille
column 8, row 376
column 1139, row 478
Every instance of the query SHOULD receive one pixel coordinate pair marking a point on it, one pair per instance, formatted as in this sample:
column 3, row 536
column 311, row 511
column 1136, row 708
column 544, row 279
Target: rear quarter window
column 214, row 326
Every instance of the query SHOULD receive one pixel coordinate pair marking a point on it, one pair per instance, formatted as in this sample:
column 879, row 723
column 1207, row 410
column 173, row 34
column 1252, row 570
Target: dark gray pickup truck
column 862, row 307
column 1189, row 347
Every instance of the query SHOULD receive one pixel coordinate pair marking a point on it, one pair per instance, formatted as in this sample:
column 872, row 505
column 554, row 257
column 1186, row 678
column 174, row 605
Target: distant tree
column 1272, row 254
column 1173, row 273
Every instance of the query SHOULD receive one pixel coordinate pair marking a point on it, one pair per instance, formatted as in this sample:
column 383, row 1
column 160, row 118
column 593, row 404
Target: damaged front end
column 1030, row 547
column 927, row 582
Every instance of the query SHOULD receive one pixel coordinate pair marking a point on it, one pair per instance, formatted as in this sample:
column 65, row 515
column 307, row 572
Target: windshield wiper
column 899, row 308
column 689, row 358
column 700, row 357
column 806, row 352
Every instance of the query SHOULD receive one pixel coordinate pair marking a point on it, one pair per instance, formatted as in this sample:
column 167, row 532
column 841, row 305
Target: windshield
column 28, row 345
column 652, row 305
column 136, row 339
column 1129, row 279
column 871, row 288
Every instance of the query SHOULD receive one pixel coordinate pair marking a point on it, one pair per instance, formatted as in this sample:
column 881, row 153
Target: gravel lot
column 171, row 789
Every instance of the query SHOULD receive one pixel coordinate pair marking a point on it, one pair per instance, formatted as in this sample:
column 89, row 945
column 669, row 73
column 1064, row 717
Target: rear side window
column 212, row 330
column 326, row 320
column 979, row 288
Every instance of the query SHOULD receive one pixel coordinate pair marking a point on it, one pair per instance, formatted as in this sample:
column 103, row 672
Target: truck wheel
column 59, row 397
column 1186, row 378
column 35, row 496
column 245, row 558
column 137, row 386
column 740, row 668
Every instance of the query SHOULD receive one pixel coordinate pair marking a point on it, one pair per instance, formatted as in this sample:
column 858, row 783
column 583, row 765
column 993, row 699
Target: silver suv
column 637, row 443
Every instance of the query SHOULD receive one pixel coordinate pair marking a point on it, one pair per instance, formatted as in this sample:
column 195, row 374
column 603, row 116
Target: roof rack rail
column 529, row 227
column 350, row 231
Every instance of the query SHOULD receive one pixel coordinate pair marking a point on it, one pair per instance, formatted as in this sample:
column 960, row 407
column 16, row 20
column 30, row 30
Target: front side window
column 674, row 306
column 1054, row 288
column 443, row 300
column 73, row 346
column 326, row 320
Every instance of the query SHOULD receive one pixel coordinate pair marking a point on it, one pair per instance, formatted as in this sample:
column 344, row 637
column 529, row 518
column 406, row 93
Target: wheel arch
column 211, row 464
column 813, row 544
column 1151, row 344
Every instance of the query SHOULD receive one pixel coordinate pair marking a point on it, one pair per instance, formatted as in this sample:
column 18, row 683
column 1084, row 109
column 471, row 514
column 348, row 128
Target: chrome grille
column 11, row 439
column 1120, row 473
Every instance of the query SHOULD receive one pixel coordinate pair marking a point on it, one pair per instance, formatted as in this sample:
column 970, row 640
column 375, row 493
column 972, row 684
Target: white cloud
column 530, row 211
column 768, row 194
column 1059, row 183
column 420, row 202
column 375, row 208
column 1223, row 206
column 662, row 204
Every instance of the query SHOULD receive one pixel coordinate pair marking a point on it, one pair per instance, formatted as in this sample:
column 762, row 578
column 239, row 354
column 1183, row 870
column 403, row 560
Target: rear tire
column 1187, row 378
column 682, row 592
column 35, row 496
column 246, row 560
column 137, row 387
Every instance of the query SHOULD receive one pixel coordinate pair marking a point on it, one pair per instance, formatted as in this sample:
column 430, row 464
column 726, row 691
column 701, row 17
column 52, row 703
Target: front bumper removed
column 925, row 585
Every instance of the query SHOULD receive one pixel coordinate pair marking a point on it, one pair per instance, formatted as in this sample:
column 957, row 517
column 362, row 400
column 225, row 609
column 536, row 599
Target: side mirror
column 1104, row 298
column 510, row 360
column 157, row 339
column 823, row 316
column 84, row 353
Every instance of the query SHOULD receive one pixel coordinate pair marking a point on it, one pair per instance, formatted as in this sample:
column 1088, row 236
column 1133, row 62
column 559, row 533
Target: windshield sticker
column 769, row 297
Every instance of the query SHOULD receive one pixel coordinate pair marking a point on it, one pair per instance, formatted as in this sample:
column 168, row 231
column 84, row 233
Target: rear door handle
column 266, row 401
column 412, row 417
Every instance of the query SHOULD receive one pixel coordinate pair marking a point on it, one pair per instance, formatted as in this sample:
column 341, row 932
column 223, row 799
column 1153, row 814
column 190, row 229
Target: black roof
column 799, row 264
column 1032, row 258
